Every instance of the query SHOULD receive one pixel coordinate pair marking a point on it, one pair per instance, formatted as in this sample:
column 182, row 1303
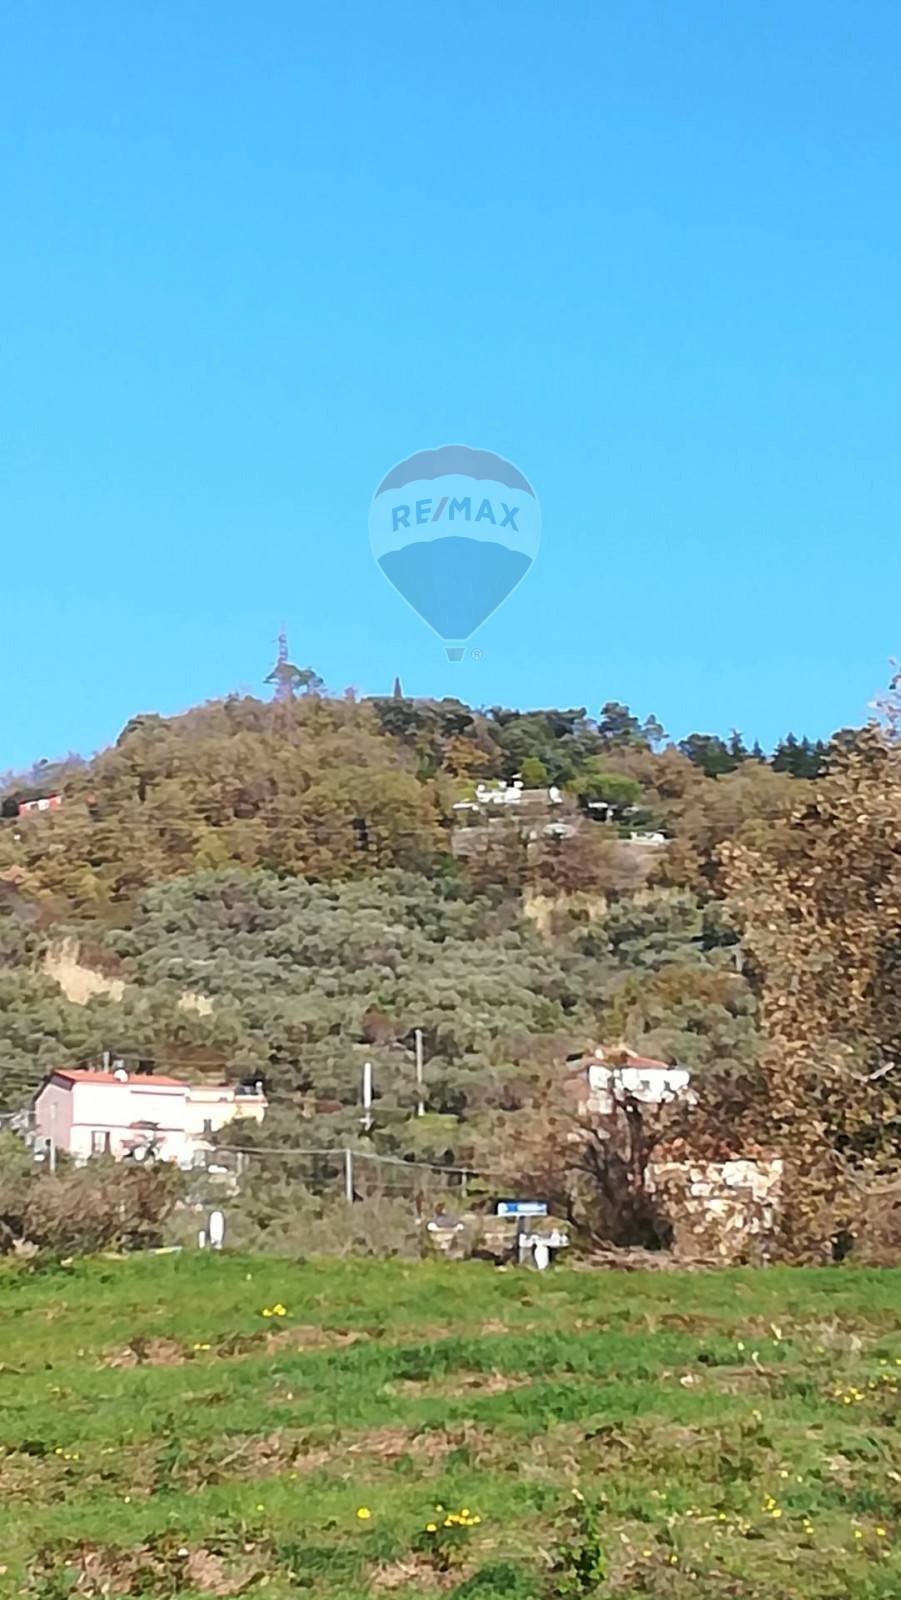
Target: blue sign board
column 520, row 1208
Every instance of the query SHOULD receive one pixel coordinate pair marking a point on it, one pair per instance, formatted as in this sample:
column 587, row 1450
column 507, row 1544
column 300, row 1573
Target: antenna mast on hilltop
column 286, row 677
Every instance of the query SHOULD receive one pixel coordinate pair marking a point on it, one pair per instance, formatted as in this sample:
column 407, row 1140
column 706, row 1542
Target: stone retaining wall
column 723, row 1210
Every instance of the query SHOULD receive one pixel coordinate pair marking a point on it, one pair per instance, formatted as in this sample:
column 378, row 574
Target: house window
column 100, row 1142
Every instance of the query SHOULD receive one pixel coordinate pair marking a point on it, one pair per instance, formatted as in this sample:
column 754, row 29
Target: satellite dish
column 216, row 1229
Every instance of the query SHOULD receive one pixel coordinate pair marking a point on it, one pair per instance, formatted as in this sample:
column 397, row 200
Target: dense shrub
column 101, row 1206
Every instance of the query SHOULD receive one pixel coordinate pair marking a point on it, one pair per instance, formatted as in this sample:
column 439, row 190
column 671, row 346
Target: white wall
column 651, row 1086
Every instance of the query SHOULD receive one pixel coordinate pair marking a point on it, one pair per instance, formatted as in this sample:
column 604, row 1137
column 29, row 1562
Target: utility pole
column 420, row 1098
column 367, row 1096
column 348, row 1177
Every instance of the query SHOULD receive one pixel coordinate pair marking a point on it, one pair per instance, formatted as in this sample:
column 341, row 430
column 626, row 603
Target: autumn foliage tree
column 818, row 900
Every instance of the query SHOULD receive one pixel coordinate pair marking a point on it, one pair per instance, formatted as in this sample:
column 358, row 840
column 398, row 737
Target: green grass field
column 160, row 1436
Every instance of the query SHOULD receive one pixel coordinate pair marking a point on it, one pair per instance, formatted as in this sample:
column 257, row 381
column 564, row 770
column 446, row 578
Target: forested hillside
column 286, row 889
column 326, row 788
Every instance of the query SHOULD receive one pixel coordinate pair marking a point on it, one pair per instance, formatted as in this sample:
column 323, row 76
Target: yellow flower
column 430, row 1527
column 364, row 1513
column 265, row 1312
column 880, row 1533
column 279, row 1310
column 857, row 1533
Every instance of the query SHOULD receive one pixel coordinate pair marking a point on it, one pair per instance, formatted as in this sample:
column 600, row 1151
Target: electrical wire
column 357, row 1155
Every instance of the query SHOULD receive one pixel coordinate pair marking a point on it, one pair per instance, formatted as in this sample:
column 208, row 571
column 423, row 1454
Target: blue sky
column 256, row 254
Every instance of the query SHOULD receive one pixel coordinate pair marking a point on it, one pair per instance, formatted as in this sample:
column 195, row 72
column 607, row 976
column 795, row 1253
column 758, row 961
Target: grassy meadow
column 421, row 1429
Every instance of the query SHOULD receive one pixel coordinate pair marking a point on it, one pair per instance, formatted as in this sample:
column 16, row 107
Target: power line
column 88, row 1063
column 358, row 1155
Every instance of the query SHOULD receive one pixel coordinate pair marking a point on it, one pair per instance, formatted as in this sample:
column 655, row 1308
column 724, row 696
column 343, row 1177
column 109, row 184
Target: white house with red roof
column 609, row 1072
column 47, row 802
column 120, row 1113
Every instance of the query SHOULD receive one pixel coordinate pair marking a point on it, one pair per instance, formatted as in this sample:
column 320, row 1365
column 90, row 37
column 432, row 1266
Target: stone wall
column 719, row 1210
